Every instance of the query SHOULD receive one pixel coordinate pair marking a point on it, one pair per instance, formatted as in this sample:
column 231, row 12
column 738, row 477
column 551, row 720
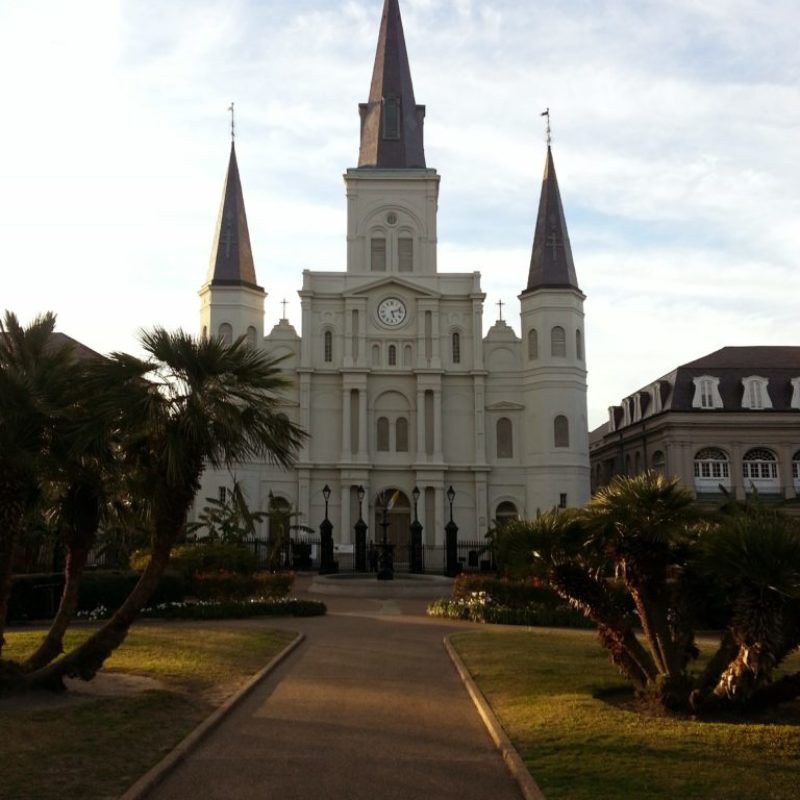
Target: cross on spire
column 233, row 122
column 500, row 305
column 546, row 113
column 283, row 303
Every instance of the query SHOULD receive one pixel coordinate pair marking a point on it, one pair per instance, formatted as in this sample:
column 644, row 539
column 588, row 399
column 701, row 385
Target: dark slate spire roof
column 231, row 256
column 391, row 81
column 551, row 261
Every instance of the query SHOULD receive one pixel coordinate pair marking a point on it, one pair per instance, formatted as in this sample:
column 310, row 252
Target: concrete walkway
column 369, row 706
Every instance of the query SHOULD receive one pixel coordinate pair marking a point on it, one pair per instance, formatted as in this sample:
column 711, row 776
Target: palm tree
column 193, row 402
column 755, row 554
column 38, row 378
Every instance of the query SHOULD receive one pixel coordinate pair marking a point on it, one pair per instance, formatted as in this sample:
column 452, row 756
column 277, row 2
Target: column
column 738, row 489
column 785, row 453
column 344, row 534
column 362, row 425
column 420, row 423
column 438, row 456
column 346, row 454
column 305, row 414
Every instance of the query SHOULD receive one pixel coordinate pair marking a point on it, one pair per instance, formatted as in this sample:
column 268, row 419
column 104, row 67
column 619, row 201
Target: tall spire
column 551, row 261
column 391, row 122
column 231, row 261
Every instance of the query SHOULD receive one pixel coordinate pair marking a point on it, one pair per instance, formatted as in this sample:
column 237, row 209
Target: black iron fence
column 303, row 554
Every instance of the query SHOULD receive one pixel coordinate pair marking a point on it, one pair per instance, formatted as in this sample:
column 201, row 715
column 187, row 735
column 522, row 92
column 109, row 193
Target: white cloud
column 674, row 137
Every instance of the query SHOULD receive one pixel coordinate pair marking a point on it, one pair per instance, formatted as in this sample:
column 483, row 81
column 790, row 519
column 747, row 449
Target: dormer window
column 391, row 118
column 795, row 393
column 706, row 392
column 755, row 394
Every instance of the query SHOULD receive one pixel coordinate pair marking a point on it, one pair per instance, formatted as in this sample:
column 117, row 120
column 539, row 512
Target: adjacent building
column 392, row 376
column 726, row 423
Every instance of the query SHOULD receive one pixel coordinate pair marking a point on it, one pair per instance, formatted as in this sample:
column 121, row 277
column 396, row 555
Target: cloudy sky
column 676, row 135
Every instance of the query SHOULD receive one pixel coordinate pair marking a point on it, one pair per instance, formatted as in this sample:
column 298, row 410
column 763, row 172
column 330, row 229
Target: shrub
column 204, row 557
column 37, row 596
column 224, row 585
column 506, row 592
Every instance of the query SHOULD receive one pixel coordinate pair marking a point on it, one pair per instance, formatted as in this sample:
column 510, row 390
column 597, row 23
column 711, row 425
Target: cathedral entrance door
column 399, row 518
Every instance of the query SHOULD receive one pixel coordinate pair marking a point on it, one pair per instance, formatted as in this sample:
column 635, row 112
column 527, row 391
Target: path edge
column 513, row 761
column 156, row 774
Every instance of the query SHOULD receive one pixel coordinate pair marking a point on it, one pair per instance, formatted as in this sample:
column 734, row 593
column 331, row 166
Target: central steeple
column 391, row 122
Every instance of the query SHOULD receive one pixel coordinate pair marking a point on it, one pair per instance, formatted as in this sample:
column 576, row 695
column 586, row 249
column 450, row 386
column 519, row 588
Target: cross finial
column 233, row 122
column 546, row 113
column 283, row 303
column 500, row 305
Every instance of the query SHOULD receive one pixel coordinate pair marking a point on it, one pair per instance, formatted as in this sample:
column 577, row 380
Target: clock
column 392, row 311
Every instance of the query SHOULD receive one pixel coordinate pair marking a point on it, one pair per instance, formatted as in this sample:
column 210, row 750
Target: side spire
column 391, row 121
column 231, row 261
column 551, row 260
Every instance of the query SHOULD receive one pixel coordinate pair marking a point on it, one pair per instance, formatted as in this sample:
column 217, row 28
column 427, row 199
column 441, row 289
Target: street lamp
column 361, row 534
column 452, row 567
column 326, row 562
column 415, row 556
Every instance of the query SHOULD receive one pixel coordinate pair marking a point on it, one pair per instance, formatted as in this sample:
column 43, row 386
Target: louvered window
column 405, row 254
column 378, row 255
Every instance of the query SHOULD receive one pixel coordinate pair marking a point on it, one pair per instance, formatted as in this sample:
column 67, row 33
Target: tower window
column 252, row 336
column 561, row 431
column 328, row 347
column 391, row 118
column 558, row 342
column 405, row 254
column 401, row 435
column 378, row 254
column 533, row 344
column 225, row 333
column 392, row 356
column 579, row 345
column 456, row 348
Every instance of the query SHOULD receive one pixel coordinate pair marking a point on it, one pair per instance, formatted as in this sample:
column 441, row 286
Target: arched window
column 377, row 255
column 392, row 355
column 711, row 468
column 328, row 346
column 558, row 342
column 579, row 344
column 505, row 442
column 456, row 347
column 658, row 462
column 760, row 470
column 383, row 435
column 225, row 333
column 405, row 254
column 401, row 435
column 561, row 431
column 796, row 470
column 533, row 345
column 506, row 512
column 252, row 335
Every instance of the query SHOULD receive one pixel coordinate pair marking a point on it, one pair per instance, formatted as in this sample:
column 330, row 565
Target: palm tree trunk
column 53, row 643
column 84, row 661
column 11, row 514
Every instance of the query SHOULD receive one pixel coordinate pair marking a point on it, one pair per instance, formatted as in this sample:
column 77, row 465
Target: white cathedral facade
column 391, row 375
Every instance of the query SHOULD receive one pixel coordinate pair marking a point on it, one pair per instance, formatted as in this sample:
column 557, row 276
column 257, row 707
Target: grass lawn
column 543, row 686
column 97, row 748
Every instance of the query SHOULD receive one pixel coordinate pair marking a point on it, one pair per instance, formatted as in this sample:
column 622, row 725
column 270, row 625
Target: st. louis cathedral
column 391, row 375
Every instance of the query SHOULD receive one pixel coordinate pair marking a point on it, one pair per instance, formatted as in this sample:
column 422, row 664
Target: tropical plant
column 228, row 521
column 192, row 402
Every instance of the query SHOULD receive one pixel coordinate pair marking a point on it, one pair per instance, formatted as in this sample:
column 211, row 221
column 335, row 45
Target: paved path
column 369, row 706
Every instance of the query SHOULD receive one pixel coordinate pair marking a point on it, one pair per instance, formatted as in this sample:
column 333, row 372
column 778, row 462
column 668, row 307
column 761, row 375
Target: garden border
column 156, row 774
column 516, row 766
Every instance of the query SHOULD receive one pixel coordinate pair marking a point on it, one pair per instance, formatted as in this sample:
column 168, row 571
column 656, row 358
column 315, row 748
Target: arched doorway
column 506, row 512
column 399, row 518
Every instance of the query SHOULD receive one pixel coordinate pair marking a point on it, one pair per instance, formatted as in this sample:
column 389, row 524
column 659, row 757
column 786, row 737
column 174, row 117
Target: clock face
column 392, row 311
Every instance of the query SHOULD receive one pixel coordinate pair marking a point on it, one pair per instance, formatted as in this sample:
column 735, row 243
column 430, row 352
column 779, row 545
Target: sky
column 676, row 138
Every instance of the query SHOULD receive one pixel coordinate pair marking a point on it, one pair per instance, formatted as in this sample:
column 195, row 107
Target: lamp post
column 385, row 549
column 415, row 556
column 452, row 567
column 326, row 562
column 361, row 534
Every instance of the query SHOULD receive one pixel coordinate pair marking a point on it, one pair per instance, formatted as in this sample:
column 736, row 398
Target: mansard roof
column 391, row 81
column 779, row 365
column 231, row 262
column 551, row 260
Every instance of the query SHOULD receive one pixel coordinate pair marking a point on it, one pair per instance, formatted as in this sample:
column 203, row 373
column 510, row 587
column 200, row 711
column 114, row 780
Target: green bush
column 204, row 557
column 37, row 596
column 480, row 607
column 227, row 585
column 506, row 592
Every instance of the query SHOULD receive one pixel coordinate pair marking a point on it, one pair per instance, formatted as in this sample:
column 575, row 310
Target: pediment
column 505, row 405
column 389, row 282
